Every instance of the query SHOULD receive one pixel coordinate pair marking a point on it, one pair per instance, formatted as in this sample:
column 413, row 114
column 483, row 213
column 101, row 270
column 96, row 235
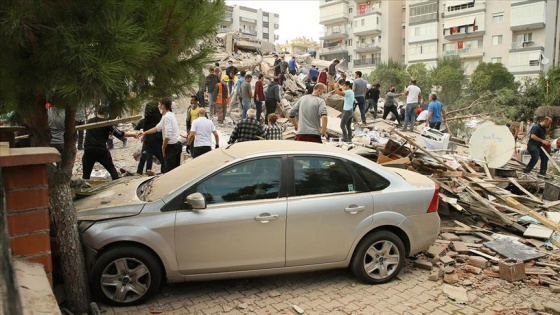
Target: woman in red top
column 259, row 96
column 323, row 77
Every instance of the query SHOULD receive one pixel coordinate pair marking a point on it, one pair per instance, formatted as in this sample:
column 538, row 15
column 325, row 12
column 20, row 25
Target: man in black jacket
column 272, row 97
column 372, row 97
column 95, row 145
column 152, row 143
column 231, row 71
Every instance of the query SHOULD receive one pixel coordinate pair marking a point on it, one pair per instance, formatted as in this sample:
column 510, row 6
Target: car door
column 326, row 211
column 244, row 224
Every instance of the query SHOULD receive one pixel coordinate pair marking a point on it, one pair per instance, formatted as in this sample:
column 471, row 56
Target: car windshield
column 190, row 170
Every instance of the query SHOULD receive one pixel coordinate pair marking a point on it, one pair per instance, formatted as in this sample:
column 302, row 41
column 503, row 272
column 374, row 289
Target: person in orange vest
column 222, row 98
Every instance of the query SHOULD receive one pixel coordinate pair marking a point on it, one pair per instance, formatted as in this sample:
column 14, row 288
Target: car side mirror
column 196, row 201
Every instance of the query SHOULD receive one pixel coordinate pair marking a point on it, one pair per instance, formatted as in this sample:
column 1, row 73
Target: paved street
column 338, row 292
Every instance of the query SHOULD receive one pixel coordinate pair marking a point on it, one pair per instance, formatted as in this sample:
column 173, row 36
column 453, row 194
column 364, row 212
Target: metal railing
column 249, row 32
column 368, row 10
column 525, row 44
column 367, row 61
column 335, row 47
column 367, row 45
column 464, row 51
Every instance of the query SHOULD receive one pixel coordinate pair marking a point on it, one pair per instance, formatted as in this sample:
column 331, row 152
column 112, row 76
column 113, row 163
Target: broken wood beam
column 111, row 122
column 525, row 191
column 530, row 212
column 423, row 150
column 551, row 159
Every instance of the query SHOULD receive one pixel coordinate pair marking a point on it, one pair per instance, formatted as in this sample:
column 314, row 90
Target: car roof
column 242, row 149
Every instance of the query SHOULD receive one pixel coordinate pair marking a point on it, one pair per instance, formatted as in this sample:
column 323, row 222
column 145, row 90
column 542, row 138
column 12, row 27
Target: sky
column 298, row 18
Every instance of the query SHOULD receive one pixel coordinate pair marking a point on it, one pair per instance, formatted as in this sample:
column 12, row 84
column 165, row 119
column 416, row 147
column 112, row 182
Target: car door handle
column 265, row 217
column 354, row 209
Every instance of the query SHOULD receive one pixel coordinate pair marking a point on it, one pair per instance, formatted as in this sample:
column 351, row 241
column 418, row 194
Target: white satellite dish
column 493, row 144
column 545, row 61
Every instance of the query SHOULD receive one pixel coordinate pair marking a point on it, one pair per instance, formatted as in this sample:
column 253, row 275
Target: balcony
column 528, row 16
column 334, row 35
column 333, row 49
column 366, row 47
column 228, row 18
column 248, row 20
column 248, row 32
column 464, row 32
column 333, row 14
column 526, row 46
column 465, row 53
column 367, row 62
column 369, row 9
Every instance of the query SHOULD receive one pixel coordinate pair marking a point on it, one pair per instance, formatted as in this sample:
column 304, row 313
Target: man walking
column 347, row 111
column 95, row 145
column 436, row 113
column 246, row 95
column 272, row 97
column 537, row 138
column 259, row 97
column 331, row 73
column 248, row 129
column 231, row 71
column 222, row 99
column 211, row 82
column 311, row 113
column 201, row 134
column 412, row 99
column 277, row 66
column 360, row 90
column 292, row 66
column 390, row 105
column 313, row 72
column 372, row 97
column 169, row 128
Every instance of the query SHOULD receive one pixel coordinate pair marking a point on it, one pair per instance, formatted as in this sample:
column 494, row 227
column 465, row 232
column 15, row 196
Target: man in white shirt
column 169, row 128
column 412, row 100
column 201, row 132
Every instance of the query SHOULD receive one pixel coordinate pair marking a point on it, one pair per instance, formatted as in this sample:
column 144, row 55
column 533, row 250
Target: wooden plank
column 525, row 191
column 468, row 167
column 440, row 161
column 539, row 271
column 547, row 265
column 460, row 230
column 109, row 122
column 551, row 159
column 552, row 204
column 479, row 253
column 538, row 231
column 505, row 219
column 486, row 170
column 528, row 211
column 451, row 173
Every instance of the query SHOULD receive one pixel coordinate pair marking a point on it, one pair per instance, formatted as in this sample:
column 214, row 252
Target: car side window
column 250, row 180
column 320, row 175
column 373, row 181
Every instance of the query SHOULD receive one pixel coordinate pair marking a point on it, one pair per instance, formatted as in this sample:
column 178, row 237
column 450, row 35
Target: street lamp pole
column 547, row 84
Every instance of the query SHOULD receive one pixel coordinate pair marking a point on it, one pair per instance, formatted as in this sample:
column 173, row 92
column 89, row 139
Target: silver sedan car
column 254, row 209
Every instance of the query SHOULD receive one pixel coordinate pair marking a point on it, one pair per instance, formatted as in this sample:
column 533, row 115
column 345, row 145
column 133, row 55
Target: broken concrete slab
column 513, row 249
column 446, row 260
column 456, row 294
column 436, row 251
column 477, row 261
column 538, row 231
column 552, row 307
column 460, row 247
column 423, row 264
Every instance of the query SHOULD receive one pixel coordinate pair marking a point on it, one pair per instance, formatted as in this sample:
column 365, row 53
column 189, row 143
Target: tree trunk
column 64, row 218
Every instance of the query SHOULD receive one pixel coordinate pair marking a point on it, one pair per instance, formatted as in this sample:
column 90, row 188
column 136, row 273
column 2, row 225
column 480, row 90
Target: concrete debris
column 298, row 309
column 456, row 294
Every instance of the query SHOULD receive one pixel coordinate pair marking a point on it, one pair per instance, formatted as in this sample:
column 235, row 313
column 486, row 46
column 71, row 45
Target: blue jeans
column 246, row 106
column 409, row 116
column 346, row 125
column 536, row 152
column 361, row 100
column 258, row 106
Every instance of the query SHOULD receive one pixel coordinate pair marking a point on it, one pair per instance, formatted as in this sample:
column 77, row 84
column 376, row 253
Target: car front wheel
column 125, row 276
column 378, row 258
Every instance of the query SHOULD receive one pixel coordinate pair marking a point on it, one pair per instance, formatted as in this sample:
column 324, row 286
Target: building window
column 498, row 17
column 497, row 39
column 348, row 42
column 460, row 7
column 496, row 60
column 265, row 18
column 349, row 59
column 525, row 37
column 350, row 10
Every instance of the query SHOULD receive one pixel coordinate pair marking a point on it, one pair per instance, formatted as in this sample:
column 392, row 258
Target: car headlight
column 84, row 225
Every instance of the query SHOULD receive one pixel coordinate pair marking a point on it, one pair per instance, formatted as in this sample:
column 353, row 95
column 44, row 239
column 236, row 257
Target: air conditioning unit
column 442, row 15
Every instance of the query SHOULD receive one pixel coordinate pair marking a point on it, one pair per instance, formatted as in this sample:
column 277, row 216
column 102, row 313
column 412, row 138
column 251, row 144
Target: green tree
column 448, row 77
column 492, row 77
column 550, row 88
column 419, row 72
column 75, row 52
column 389, row 73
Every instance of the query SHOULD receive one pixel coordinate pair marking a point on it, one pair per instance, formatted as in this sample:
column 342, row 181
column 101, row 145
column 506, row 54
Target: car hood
column 117, row 201
column 413, row 178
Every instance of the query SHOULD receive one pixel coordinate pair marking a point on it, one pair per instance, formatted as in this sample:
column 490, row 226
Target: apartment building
column 299, row 46
column 521, row 34
column 254, row 23
column 361, row 32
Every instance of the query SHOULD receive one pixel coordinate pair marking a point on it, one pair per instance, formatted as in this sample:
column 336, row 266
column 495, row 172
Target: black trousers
column 172, row 156
column 393, row 110
column 270, row 108
column 435, row 125
column 100, row 155
column 151, row 147
column 198, row 151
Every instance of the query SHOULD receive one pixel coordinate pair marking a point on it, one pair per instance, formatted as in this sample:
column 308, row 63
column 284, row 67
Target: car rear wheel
column 378, row 258
column 125, row 276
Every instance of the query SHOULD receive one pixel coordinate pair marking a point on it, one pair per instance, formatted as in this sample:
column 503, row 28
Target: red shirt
column 322, row 77
column 259, row 91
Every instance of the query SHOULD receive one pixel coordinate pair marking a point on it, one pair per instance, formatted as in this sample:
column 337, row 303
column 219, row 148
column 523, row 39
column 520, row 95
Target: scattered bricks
column 449, row 237
column 553, row 308
column 493, row 274
column 462, row 258
column 467, row 283
column 448, row 269
column 487, row 251
column 423, row 264
column 534, row 281
column 511, row 270
column 554, row 289
column 452, row 254
column 435, row 274
column 473, row 269
column 450, row 278
column 446, row 260
column 496, row 269
column 478, row 261
column 460, row 247
column 436, row 251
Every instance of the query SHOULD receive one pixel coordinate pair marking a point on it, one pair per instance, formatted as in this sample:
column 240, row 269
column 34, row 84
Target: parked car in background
column 254, row 209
